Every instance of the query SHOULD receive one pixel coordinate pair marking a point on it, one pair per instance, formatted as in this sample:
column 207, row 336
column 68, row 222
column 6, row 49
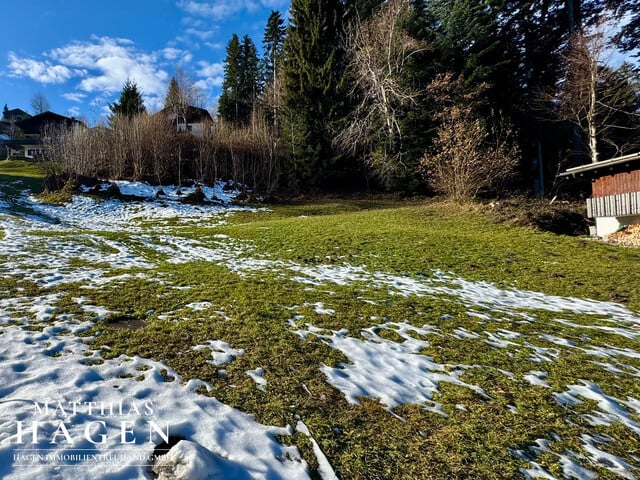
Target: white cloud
column 201, row 34
column 74, row 111
column 109, row 62
column 40, row 71
column 220, row 9
column 101, row 66
column 176, row 55
column 214, row 46
column 210, row 69
column 74, row 96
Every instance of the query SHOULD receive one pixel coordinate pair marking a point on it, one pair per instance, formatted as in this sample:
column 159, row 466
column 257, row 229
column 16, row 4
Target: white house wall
column 605, row 226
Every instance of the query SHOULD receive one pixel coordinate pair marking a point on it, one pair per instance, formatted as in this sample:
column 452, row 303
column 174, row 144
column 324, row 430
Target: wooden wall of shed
column 615, row 184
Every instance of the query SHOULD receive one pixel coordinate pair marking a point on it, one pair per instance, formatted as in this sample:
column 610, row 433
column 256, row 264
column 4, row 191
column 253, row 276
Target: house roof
column 194, row 114
column 15, row 113
column 606, row 167
column 35, row 124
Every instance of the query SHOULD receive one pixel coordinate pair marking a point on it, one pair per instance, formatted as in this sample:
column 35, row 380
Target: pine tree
column 5, row 111
column 228, row 105
column 629, row 35
column 273, row 41
column 130, row 102
column 174, row 98
column 241, row 85
column 249, row 86
column 313, row 70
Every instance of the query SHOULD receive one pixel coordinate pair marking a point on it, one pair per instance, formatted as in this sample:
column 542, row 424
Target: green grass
column 21, row 168
column 405, row 238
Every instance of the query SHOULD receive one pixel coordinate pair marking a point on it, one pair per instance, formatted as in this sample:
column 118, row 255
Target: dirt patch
column 125, row 321
column 561, row 218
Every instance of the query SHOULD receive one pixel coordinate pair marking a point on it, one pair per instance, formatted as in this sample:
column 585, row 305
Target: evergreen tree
column 228, row 106
column 273, row 41
column 249, row 86
column 313, row 70
column 173, row 100
column 130, row 102
column 241, row 85
column 629, row 35
column 5, row 111
column 360, row 9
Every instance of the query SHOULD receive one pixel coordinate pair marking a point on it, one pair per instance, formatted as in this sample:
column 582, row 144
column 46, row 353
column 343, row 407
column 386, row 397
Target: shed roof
column 605, row 167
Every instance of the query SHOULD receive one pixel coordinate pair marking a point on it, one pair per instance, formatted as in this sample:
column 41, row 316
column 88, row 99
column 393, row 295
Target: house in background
column 194, row 120
column 30, row 144
column 9, row 120
column 34, row 127
column 615, row 192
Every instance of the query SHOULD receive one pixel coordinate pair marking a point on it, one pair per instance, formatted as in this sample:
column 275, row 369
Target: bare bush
column 147, row 146
column 470, row 155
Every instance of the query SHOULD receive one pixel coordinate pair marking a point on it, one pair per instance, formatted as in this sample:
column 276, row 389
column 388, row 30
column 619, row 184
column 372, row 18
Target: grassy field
column 251, row 297
column 20, row 168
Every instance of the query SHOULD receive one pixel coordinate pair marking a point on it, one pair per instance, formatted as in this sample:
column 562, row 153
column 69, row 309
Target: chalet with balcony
column 615, row 192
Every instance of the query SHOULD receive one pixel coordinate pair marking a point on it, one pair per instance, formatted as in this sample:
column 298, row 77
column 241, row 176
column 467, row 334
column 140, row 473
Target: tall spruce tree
column 228, row 105
column 130, row 102
column 312, row 70
column 273, row 42
column 241, row 85
column 173, row 100
column 250, row 85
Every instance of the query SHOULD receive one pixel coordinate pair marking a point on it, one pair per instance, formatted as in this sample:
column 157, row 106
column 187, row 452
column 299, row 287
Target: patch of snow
column 610, row 409
column 257, row 376
column 324, row 467
column 319, row 308
column 189, row 461
column 199, row 306
column 536, row 377
column 395, row 373
column 221, row 352
column 94, row 398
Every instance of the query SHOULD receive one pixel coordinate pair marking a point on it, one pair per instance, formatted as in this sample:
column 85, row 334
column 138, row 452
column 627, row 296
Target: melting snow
column 395, row 373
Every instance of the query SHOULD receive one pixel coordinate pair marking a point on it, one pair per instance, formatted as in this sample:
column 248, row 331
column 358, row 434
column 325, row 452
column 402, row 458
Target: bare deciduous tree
column 595, row 96
column 39, row 104
column 378, row 50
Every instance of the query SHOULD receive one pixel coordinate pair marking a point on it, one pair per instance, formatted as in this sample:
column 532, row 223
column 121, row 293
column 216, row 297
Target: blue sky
column 79, row 53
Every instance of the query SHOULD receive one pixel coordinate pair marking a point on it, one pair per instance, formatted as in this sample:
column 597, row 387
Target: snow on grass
column 319, row 308
column 171, row 192
column 536, row 377
column 610, row 409
column 393, row 372
column 257, row 375
column 54, row 246
column 198, row 306
column 324, row 467
column 52, row 379
column 221, row 352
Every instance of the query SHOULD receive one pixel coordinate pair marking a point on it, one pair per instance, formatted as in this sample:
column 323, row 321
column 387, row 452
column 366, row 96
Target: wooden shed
column 615, row 192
